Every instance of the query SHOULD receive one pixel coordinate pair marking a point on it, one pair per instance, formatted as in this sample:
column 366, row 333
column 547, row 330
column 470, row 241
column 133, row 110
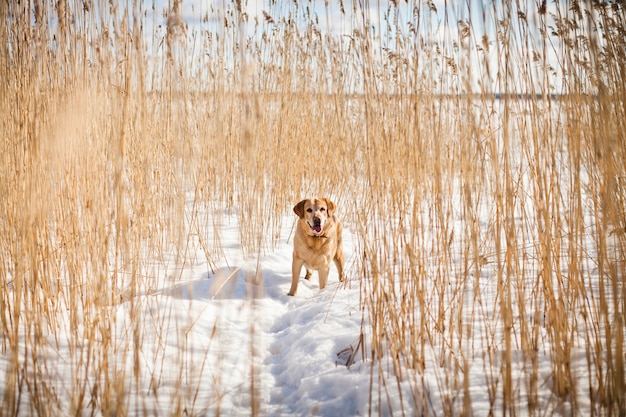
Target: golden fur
column 317, row 241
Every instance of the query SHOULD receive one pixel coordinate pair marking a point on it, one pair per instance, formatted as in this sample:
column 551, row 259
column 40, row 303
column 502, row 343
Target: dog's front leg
column 296, row 267
column 323, row 274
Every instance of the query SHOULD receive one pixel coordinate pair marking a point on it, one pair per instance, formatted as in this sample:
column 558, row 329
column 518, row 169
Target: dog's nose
column 317, row 221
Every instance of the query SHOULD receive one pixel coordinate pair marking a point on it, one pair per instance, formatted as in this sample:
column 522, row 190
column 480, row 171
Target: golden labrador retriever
column 317, row 241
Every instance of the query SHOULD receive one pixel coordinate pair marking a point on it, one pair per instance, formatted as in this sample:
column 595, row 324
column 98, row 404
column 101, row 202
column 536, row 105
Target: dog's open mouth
column 316, row 226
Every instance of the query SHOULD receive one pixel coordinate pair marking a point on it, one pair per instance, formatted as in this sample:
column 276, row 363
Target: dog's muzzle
column 317, row 225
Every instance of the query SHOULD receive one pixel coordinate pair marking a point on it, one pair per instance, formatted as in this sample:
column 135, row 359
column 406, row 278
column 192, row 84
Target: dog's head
column 315, row 213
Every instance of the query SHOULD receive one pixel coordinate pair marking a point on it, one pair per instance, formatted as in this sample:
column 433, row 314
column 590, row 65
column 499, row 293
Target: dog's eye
column 322, row 209
column 309, row 210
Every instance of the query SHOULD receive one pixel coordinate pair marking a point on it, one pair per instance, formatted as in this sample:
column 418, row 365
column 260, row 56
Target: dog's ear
column 299, row 209
column 331, row 206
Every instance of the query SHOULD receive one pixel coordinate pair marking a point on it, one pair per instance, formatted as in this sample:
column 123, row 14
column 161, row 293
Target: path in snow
column 295, row 340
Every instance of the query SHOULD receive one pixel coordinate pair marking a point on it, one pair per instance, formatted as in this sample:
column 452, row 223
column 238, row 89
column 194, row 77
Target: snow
column 292, row 342
column 225, row 339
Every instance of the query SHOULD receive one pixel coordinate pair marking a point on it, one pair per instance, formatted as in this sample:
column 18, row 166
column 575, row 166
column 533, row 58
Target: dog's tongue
column 317, row 229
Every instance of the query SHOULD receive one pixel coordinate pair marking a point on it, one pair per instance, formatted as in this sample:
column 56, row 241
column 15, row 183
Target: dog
column 317, row 241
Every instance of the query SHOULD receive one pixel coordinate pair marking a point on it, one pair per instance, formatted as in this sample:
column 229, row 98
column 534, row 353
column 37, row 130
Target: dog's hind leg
column 339, row 261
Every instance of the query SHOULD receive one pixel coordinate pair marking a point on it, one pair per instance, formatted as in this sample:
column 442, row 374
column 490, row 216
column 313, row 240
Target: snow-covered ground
column 246, row 341
column 227, row 341
column 224, row 338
